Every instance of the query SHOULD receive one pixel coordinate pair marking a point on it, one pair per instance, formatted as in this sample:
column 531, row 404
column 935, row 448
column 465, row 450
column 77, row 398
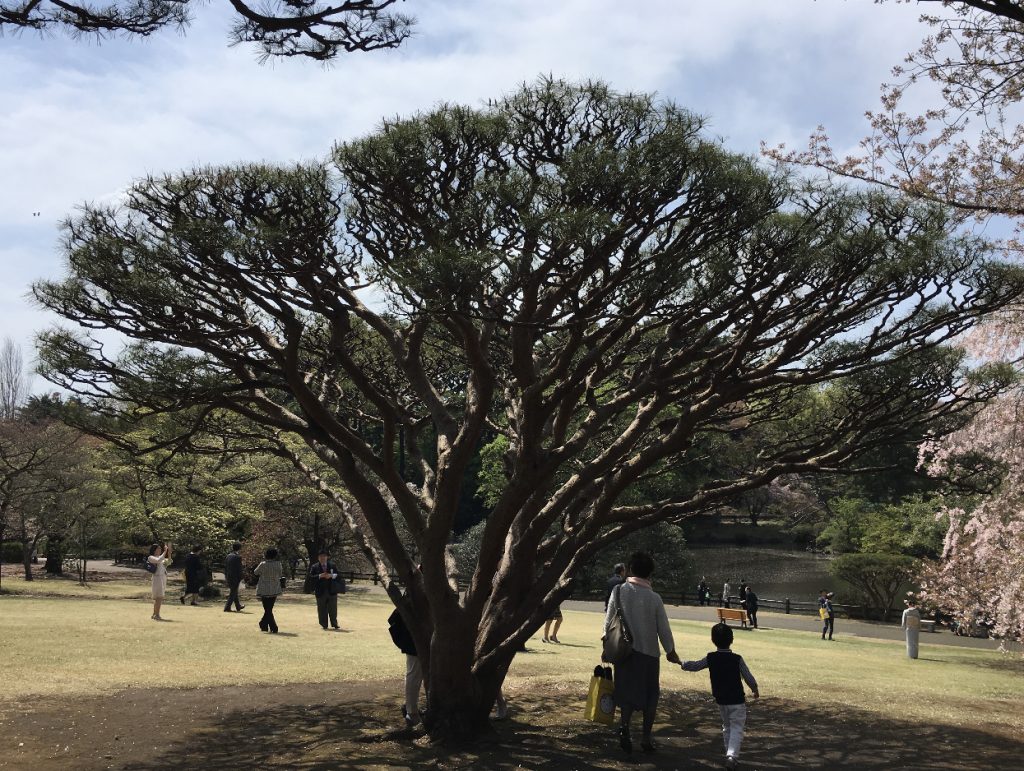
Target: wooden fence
column 671, row 597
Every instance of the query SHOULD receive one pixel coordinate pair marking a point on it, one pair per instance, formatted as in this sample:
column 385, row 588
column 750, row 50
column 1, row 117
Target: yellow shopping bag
column 600, row 705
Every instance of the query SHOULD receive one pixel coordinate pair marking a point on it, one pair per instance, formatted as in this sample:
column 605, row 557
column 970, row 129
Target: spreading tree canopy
column 576, row 277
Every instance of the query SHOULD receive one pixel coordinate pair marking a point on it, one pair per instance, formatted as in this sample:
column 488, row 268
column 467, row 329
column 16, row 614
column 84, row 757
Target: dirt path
column 355, row 725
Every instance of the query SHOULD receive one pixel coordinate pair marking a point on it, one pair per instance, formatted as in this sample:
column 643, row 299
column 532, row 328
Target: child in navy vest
column 726, row 669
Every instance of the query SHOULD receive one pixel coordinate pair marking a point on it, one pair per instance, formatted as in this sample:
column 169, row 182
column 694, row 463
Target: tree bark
column 54, row 555
column 460, row 700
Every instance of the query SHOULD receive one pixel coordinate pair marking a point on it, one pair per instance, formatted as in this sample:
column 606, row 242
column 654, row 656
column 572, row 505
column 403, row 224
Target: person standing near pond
column 325, row 574
column 159, row 558
column 233, row 577
column 637, row 684
column 703, row 592
column 911, row 624
column 751, row 604
column 827, row 613
column 271, row 584
column 725, row 594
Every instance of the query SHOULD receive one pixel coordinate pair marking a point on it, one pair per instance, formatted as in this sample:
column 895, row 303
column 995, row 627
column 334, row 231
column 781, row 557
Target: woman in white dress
column 158, row 559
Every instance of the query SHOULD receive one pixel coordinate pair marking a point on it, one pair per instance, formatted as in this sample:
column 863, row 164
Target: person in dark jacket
column 194, row 575
column 752, row 606
column 325, row 589
column 617, row 577
column 403, row 640
column 727, row 669
column 703, row 592
column 233, row 577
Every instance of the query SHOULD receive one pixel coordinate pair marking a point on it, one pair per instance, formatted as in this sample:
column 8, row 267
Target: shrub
column 12, row 551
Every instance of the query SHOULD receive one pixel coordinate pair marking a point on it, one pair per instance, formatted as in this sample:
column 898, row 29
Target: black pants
column 828, row 627
column 233, row 596
column 752, row 615
column 327, row 608
column 268, row 622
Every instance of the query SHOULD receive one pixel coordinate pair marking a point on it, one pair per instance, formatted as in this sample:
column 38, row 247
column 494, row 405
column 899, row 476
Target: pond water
column 776, row 573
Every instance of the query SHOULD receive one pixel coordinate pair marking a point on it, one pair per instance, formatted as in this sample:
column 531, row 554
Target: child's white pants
column 734, row 717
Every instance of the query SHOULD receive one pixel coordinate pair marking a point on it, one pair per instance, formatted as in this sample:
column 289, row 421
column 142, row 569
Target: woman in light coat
column 270, row 585
column 637, row 678
column 159, row 558
column 911, row 624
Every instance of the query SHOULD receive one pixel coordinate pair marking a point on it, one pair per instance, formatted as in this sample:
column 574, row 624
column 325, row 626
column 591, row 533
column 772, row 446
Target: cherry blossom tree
column 964, row 151
column 982, row 564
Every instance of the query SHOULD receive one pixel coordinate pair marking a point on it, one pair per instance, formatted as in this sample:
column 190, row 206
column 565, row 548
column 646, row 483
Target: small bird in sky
column 36, row 214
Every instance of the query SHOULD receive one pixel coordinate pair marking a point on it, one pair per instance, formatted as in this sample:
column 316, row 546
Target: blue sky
column 81, row 119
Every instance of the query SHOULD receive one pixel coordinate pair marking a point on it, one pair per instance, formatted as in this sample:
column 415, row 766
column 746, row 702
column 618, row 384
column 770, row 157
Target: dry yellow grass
column 76, row 645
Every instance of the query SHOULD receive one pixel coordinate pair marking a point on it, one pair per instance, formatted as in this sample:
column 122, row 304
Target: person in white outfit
column 911, row 626
column 159, row 558
column 725, row 594
column 727, row 669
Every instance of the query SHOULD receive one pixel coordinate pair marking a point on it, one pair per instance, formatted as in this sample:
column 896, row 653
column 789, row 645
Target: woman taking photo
column 637, row 684
column 270, row 585
column 158, row 560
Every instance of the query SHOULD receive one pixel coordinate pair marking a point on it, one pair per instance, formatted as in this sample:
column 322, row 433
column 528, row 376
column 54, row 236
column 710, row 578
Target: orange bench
column 725, row 615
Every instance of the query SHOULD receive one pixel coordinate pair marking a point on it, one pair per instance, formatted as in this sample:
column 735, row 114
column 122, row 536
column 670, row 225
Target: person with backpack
column 156, row 563
column 727, row 669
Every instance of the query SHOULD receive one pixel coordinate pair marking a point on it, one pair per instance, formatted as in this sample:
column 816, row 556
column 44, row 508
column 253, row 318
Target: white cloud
column 81, row 121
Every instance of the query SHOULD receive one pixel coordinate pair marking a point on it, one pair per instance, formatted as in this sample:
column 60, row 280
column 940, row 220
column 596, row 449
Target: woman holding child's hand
column 637, row 684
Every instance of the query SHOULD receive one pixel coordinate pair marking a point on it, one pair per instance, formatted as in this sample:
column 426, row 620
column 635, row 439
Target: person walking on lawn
column 271, row 584
column 727, row 669
column 233, row 577
column 637, row 685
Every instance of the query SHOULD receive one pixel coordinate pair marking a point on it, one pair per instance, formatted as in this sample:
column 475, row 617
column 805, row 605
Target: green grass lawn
column 98, row 640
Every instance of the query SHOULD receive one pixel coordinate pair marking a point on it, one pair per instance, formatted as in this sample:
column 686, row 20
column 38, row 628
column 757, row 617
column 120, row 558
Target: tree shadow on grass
column 546, row 731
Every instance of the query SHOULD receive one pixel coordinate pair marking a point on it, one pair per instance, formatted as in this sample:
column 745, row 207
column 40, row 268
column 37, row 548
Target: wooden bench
column 927, row 625
column 725, row 615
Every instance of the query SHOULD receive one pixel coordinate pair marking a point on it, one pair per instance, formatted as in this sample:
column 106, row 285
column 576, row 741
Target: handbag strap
column 620, row 615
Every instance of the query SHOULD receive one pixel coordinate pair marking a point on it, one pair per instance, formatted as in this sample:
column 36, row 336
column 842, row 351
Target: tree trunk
column 459, row 701
column 54, row 555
